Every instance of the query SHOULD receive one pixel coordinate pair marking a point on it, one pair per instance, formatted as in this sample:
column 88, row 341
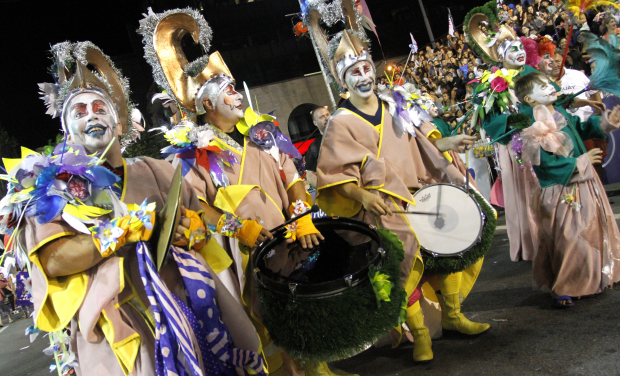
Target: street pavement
column 528, row 335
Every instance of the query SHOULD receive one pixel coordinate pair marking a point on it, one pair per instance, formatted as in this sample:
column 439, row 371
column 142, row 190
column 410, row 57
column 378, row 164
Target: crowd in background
column 445, row 71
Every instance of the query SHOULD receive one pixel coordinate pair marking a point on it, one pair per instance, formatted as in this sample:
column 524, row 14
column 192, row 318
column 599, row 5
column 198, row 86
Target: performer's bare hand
column 179, row 234
column 375, row 205
column 598, row 107
column 596, row 156
column 459, row 143
column 614, row 116
column 264, row 235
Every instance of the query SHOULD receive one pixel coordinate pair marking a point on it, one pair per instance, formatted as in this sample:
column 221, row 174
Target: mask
column 515, row 55
column 91, row 121
column 360, row 78
column 543, row 94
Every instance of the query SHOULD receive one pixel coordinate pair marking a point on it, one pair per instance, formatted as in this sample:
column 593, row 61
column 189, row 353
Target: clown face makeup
column 228, row 105
column 90, row 121
column 514, row 57
column 543, row 94
column 432, row 110
column 360, row 78
column 546, row 64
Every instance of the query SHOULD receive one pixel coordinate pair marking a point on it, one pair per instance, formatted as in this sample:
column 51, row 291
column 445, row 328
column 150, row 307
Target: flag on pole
column 413, row 45
column 366, row 18
column 450, row 24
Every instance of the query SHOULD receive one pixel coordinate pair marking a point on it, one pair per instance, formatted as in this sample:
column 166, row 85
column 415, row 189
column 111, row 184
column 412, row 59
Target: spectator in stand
column 609, row 30
column 320, row 116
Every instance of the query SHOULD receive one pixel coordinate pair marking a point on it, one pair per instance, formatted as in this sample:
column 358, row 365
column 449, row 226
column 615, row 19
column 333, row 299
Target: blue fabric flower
column 108, row 233
column 143, row 215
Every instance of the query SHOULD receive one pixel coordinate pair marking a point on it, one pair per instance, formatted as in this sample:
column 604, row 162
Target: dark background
column 255, row 39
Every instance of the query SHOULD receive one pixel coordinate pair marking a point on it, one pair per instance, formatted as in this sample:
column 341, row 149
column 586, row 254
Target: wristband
column 196, row 232
column 304, row 225
column 110, row 235
column 245, row 230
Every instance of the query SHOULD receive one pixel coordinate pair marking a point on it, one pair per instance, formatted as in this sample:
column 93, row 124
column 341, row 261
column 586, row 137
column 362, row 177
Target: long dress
column 579, row 251
column 518, row 183
column 107, row 306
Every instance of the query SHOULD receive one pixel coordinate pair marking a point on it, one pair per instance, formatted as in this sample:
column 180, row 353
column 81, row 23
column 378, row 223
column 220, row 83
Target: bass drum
column 321, row 305
column 461, row 232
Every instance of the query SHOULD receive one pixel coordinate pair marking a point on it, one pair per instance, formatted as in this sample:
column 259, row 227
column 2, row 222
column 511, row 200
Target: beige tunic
column 387, row 163
column 105, row 304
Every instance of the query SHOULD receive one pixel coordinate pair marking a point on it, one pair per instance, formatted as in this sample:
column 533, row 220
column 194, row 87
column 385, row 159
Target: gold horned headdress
column 82, row 67
column 189, row 83
column 488, row 39
column 343, row 49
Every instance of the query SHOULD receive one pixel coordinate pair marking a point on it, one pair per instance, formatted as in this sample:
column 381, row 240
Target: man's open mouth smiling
column 95, row 130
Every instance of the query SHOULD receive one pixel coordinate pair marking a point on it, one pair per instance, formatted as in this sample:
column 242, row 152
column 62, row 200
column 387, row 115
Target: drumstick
column 418, row 213
column 314, row 209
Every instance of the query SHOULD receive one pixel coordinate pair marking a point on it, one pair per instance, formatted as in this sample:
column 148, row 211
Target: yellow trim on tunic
column 215, row 256
column 294, row 181
column 333, row 203
column 68, row 292
column 126, row 350
column 203, row 199
column 124, row 180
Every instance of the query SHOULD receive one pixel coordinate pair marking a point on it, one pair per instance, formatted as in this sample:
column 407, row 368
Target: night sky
column 29, row 28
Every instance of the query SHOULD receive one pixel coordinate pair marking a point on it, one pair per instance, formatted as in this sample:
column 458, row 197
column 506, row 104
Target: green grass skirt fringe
column 449, row 265
column 325, row 330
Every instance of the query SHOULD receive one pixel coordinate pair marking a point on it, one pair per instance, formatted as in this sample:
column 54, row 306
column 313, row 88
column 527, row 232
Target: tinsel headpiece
column 491, row 46
column 71, row 62
column 345, row 48
column 188, row 82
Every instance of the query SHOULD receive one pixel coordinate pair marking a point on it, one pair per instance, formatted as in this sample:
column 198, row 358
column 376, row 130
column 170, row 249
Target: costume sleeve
column 339, row 162
column 495, row 126
column 290, row 171
column 590, row 129
column 554, row 169
column 56, row 300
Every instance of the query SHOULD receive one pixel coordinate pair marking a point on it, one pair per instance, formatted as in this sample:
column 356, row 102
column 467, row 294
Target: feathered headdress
column 346, row 47
column 72, row 76
column 488, row 15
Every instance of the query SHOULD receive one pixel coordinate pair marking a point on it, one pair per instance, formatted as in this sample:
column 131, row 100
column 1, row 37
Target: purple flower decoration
column 107, row 233
column 263, row 134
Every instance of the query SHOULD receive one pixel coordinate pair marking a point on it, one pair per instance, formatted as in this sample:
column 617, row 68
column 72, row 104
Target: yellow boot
column 321, row 369
column 450, row 301
column 422, row 344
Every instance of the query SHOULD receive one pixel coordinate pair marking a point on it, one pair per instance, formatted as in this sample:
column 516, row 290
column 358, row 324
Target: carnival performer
column 579, row 239
column 372, row 157
column 517, row 179
column 88, row 215
column 241, row 165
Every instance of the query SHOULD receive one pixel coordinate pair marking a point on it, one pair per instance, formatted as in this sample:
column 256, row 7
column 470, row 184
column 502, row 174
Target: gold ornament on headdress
column 166, row 41
column 490, row 44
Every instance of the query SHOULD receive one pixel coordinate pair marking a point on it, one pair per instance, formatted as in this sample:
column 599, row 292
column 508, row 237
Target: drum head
column 343, row 258
column 456, row 230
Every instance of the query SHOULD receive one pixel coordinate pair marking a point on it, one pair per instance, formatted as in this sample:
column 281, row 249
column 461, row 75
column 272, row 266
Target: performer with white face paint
column 579, row 239
column 372, row 157
column 86, row 238
column 238, row 163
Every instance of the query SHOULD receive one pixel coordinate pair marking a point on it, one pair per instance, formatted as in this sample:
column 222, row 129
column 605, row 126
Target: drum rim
column 478, row 237
column 325, row 289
